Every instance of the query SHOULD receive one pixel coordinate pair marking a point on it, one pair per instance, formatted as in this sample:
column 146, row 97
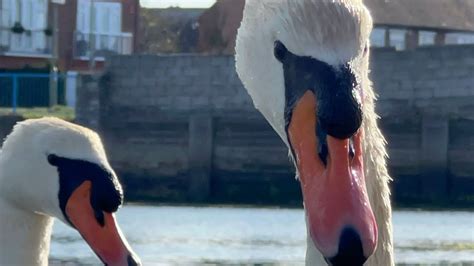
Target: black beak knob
column 351, row 252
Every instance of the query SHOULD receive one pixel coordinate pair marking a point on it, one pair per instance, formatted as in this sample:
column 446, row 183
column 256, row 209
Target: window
column 397, row 39
column 39, row 23
column 377, row 38
column 104, row 18
column 32, row 15
column 426, row 38
column 5, row 11
column 460, row 38
column 102, row 22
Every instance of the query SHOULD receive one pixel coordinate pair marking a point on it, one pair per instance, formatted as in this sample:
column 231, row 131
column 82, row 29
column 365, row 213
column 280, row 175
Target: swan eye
column 280, row 51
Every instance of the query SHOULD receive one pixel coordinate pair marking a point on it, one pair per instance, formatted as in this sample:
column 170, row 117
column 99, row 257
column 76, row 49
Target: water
column 210, row 236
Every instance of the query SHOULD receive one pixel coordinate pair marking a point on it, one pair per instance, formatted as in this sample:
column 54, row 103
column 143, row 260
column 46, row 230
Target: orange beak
column 335, row 195
column 106, row 241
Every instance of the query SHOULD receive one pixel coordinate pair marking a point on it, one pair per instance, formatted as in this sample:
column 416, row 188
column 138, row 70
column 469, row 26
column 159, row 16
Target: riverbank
column 275, row 186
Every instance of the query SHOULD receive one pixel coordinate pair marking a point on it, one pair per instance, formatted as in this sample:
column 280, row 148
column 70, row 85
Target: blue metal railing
column 33, row 87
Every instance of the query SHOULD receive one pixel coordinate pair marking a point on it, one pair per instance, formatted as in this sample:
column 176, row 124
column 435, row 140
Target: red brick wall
column 15, row 62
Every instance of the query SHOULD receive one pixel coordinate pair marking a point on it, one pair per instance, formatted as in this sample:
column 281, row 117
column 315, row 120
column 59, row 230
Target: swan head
column 305, row 65
column 55, row 168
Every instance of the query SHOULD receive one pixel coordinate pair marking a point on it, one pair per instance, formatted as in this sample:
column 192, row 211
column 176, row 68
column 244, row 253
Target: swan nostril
column 323, row 150
column 99, row 216
column 351, row 149
column 350, row 250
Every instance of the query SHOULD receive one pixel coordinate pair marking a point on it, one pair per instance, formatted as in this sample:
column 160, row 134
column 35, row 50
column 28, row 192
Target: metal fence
column 36, row 89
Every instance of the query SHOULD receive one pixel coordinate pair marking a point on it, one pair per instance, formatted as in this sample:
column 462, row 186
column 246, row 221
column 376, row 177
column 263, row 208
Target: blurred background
column 207, row 180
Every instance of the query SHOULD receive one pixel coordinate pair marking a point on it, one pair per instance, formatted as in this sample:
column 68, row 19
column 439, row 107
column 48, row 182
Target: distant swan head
column 59, row 169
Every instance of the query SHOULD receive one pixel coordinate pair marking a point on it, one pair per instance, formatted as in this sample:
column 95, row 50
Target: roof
column 454, row 15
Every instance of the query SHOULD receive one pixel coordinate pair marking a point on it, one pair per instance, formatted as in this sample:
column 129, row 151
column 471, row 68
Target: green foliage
column 59, row 111
column 172, row 30
column 159, row 35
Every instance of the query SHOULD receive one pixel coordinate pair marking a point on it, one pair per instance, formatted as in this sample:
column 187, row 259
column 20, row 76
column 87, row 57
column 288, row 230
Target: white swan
column 305, row 65
column 52, row 168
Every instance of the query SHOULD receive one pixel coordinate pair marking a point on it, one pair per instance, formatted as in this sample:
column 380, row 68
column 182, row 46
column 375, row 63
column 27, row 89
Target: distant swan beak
column 106, row 240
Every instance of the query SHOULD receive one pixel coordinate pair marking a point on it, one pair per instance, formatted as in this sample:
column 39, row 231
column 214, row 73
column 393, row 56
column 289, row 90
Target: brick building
column 88, row 30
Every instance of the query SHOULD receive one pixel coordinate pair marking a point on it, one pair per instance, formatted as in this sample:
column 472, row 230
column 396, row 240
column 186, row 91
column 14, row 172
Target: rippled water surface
column 210, row 236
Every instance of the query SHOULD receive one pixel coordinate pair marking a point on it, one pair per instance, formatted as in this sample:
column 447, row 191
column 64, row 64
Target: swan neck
column 24, row 236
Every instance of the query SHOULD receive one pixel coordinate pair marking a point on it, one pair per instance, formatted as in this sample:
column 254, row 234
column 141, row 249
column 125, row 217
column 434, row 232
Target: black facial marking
column 339, row 113
column 323, row 151
column 106, row 194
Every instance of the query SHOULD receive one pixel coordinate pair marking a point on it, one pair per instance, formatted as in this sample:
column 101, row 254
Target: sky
column 180, row 3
